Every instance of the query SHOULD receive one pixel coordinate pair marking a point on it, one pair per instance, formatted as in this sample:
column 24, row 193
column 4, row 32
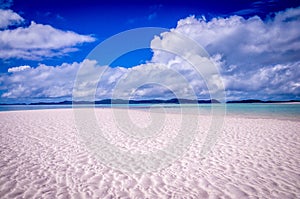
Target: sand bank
column 42, row 156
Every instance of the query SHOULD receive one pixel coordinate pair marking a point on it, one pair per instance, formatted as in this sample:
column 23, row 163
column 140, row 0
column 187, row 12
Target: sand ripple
column 41, row 156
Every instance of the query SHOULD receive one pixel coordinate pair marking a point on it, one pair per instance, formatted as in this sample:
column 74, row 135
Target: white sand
column 41, row 156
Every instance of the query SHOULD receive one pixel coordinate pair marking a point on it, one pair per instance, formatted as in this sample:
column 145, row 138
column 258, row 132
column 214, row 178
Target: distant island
column 259, row 101
column 121, row 101
column 153, row 101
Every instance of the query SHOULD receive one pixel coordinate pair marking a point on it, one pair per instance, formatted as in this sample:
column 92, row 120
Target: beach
column 42, row 155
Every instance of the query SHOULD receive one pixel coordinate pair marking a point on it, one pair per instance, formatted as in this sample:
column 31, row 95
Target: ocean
column 248, row 110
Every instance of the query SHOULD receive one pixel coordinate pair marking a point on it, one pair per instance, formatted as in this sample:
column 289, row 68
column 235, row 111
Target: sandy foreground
column 42, row 155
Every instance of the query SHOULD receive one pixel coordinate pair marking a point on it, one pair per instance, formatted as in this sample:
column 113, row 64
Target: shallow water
column 289, row 111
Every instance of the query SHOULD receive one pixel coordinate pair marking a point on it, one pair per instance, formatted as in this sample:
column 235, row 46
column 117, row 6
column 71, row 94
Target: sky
column 255, row 46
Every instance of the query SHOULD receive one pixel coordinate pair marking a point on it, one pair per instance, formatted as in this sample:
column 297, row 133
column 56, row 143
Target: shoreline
column 175, row 110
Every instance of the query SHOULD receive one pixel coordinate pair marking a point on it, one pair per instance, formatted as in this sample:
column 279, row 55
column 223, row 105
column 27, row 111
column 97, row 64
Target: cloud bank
column 256, row 59
column 37, row 41
column 40, row 82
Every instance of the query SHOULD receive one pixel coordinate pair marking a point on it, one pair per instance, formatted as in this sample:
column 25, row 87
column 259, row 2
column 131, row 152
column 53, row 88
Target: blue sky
column 43, row 44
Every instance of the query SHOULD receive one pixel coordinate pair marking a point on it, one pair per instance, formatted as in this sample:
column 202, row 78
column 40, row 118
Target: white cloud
column 248, row 52
column 278, row 80
column 150, row 80
column 18, row 68
column 58, row 81
column 153, row 80
column 38, row 41
column 242, row 41
column 186, row 57
column 8, row 18
column 42, row 81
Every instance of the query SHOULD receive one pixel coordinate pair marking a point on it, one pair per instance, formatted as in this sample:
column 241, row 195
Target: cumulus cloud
column 8, row 18
column 39, row 41
column 150, row 80
column 278, row 81
column 248, row 42
column 18, row 68
column 245, row 50
column 40, row 82
column 36, row 41
column 137, row 82
column 154, row 80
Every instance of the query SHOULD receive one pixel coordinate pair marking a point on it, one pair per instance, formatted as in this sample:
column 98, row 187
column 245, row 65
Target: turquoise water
column 276, row 110
column 290, row 111
column 262, row 110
